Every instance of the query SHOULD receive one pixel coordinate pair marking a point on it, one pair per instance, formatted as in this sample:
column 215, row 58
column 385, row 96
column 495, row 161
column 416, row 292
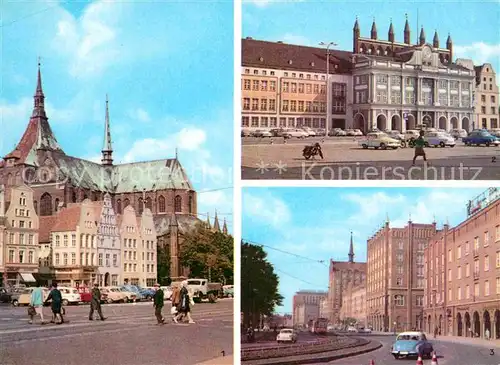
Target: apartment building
column 486, row 97
column 354, row 301
column 395, row 276
column 18, row 236
column 285, row 85
column 306, row 306
column 462, row 289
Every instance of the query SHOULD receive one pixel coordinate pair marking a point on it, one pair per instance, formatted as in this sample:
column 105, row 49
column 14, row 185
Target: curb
column 319, row 358
column 226, row 360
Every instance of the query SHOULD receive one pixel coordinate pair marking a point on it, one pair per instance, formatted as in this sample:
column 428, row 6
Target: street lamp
column 328, row 45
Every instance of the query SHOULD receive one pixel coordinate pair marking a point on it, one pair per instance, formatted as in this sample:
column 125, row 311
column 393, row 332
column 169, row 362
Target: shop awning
column 28, row 278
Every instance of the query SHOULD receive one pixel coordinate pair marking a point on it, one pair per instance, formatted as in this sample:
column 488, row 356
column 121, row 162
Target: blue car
column 479, row 137
column 412, row 344
column 135, row 290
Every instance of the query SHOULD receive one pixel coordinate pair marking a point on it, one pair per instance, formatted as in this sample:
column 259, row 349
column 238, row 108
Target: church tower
column 435, row 41
column 422, row 36
column 355, row 36
column 351, row 251
column 391, row 33
column 374, row 30
column 407, row 34
column 107, row 150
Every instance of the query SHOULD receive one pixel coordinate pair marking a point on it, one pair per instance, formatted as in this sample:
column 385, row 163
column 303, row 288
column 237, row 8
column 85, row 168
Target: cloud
column 267, row 209
column 220, row 200
column 479, row 52
column 372, row 206
column 139, row 114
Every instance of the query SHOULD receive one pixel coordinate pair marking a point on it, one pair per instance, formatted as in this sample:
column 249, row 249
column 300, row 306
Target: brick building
column 57, row 180
column 462, row 292
column 395, row 276
column 341, row 273
column 354, row 301
column 306, row 306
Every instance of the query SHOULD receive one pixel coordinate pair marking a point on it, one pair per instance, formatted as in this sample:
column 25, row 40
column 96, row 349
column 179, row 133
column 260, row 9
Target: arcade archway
column 466, row 124
column 410, row 122
column 106, row 279
column 396, row 123
column 442, row 123
column 454, row 123
column 467, row 325
column 459, row 325
column 487, row 322
column 381, row 122
column 359, row 122
column 497, row 324
column 477, row 324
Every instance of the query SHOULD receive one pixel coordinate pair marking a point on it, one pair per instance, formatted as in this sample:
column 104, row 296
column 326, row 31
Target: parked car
column 24, row 297
column 379, row 140
column 334, row 132
column 262, row 133
column 495, row 132
column 5, row 296
column 320, row 132
column 245, row 132
column 412, row 344
column 113, row 295
column 358, row 133
column 286, row 335
column 458, row 133
column 310, row 132
column 411, row 134
column 341, row 133
column 367, row 330
column 146, row 293
column 479, row 137
column 85, row 294
column 69, row 295
column 435, row 139
column 228, row 291
column 396, row 135
column 294, row 133
column 350, row 132
column 129, row 293
column 352, row 329
column 277, row 132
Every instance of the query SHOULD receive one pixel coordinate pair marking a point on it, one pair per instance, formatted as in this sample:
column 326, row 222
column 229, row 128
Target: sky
column 473, row 24
column 303, row 228
column 168, row 70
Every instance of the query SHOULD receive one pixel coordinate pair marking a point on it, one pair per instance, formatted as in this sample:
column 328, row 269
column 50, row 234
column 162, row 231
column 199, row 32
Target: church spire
column 224, row 227
column 107, row 149
column 39, row 98
column 216, row 223
column 351, row 250
column 374, row 30
column 391, row 33
column 407, row 31
column 209, row 226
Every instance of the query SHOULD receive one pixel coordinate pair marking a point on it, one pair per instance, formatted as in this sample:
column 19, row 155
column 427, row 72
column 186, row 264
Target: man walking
column 158, row 301
column 36, row 302
column 56, row 305
column 95, row 303
column 419, row 148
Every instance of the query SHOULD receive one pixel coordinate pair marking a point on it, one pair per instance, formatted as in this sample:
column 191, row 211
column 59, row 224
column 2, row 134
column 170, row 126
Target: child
column 419, row 148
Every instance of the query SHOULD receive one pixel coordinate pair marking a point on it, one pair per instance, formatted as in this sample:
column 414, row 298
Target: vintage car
column 286, row 335
column 379, row 140
column 310, row 132
column 412, row 344
column 228, row 291
column 24, row 297
column 396, row 135
column 85, row 293
column 458, row 133
column 295, row 133
column 261, row 133
column 435, row 139
column 113, row 295
column 479, row 137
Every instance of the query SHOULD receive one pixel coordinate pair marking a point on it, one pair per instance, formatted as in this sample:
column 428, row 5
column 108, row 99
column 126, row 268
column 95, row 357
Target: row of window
column 493, row 110
column 259, row 104
column 132, row 255
column 20, row 257
column 339, row 105
column 464, row 293
column 272, row 122
column 398, row 300
column 86, row 259
column 133, row 268
column 24, row 239
column 22, row 212
column 21, row 224
column 300, row 88
column 286, row 74
column 90, row 241
column 492, row 99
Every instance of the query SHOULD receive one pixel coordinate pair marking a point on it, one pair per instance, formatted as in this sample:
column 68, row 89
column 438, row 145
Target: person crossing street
column 95, row 303
column 56, row 304
column 36, row 302
column 419, row 148
column 158, row 301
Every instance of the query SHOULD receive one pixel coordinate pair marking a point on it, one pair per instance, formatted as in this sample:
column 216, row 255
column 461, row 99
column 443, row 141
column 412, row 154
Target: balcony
column 476, row 275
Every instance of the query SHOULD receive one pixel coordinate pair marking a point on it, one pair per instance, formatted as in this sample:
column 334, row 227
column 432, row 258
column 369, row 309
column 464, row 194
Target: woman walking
column 56, row 305
column 185, row 303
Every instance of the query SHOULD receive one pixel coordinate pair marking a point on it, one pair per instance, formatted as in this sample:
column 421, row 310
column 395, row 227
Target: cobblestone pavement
column 129, row 336
column 346, row 161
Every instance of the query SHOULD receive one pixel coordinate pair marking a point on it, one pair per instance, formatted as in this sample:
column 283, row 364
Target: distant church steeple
column 435, row 42
column 351, row 250
column 216, row 223
column 422, row 36
column 224, row 227
column 107, row 150
column 374, row 30
column 391, row 33
column 407, row 31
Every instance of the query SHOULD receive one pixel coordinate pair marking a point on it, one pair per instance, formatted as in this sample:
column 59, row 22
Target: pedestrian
column 419, row 148
column 158, row 301
column 56, row 304
column 176, row 300
column 185, row 302
column 95, row 303
column 487, row 333
column 36, row 304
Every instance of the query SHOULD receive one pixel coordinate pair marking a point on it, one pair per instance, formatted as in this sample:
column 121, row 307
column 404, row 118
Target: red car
column 85, row 294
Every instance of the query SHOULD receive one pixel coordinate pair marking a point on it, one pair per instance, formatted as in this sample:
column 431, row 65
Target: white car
column 352, row 329
column 297, row 133
column 396, row 135
column 350, row 132
column 309, row 131
column 435, row 139
column 287, row 335
column 69, row 295
column 261, row 133
column 379, row 140
column 357, row 132
column 411, row 134
column 458, row 133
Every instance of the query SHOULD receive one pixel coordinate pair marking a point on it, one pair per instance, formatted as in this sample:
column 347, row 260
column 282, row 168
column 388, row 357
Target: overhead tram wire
column 299, row 279
column 309, row 259
column 3, row 25
column 212, row 190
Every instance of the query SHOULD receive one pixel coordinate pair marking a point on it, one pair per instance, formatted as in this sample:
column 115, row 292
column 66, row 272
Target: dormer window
column 312, row 64
column 261, row 59
column 290, row 62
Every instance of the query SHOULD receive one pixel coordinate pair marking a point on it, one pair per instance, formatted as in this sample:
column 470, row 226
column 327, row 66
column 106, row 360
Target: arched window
column 177, row 204
column 56, row 205
column 73, row 197
column 190, row 204
column 149, row 203
column 140, row 206
column 119, row 206
column 35, row 203
column 45, row 205
column 126, row 203
column 161, row 204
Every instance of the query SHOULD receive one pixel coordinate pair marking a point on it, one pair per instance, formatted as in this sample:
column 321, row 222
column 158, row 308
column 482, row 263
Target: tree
column 208, row 254
column 259, row 284
column 163, row 266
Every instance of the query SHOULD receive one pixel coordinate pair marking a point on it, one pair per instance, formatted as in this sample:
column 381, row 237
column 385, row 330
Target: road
column 449, row 353
column 129, row 336
column 302, row 338
column 344, row 160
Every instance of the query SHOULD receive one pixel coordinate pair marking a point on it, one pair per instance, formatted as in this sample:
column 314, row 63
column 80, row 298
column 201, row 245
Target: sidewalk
column 226, row 360
column 466, row 340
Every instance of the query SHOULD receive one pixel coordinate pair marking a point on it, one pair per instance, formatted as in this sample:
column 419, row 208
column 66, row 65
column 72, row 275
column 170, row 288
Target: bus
column 318, row 326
